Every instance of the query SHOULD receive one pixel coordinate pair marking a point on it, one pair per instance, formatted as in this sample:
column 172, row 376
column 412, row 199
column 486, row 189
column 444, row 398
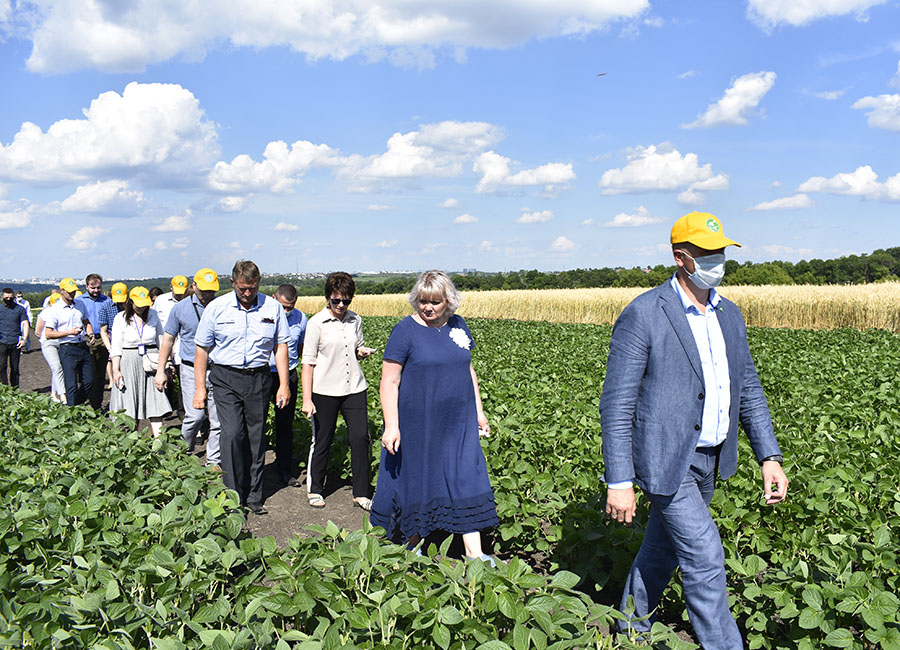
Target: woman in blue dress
column 433, row 475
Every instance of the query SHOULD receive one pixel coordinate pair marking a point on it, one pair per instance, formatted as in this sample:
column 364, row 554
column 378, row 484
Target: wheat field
column 802, row 307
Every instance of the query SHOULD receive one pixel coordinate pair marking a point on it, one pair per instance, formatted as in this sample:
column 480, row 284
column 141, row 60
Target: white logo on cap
column 208, row 277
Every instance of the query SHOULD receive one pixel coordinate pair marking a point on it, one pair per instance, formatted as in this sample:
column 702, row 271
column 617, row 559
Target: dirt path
column 289, row 513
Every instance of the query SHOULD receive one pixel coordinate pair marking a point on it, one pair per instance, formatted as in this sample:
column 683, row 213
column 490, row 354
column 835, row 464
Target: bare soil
column 289, row 512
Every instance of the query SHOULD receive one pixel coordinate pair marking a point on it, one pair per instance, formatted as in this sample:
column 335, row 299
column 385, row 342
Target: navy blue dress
column 438, row 479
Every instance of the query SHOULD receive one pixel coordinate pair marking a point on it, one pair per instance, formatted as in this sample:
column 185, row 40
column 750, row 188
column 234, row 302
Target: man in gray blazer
column 679, row 378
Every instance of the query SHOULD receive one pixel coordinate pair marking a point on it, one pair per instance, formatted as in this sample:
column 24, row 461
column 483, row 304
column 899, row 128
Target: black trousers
column 242, row 402
column 99, row 358
column 354, row 409
column 9, row 358
column 284, row 426
column 78, row 371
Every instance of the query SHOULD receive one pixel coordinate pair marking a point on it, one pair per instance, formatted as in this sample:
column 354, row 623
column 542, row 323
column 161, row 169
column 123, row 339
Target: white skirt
column 139, row 398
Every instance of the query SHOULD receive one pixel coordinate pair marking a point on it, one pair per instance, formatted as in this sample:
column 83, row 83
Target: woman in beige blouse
column 333, row 383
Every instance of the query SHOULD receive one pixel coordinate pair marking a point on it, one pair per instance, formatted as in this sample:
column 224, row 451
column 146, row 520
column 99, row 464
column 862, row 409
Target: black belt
column 74, row 343
column 146, row 347
column 244, row 371
column 187, row 363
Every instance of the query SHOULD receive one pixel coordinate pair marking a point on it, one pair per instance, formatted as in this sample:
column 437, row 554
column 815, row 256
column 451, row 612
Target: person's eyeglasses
column 340, row 301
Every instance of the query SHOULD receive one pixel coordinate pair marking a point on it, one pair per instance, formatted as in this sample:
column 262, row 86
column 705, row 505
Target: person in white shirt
column 27, row 306
column 135, row 337
column 67, row 325
column 50, row 350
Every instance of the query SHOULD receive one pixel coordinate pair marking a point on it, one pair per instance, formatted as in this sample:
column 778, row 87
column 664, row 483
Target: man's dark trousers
column 78, row 371
column 284, row 427
column 9, row 357
column 99, row 359
column 242, row 402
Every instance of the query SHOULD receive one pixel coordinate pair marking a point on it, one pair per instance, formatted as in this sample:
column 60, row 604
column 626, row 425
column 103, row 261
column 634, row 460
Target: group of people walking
column 679, row 378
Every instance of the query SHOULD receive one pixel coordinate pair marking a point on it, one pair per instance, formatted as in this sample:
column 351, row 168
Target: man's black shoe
column 290, row 481
column 257, row 509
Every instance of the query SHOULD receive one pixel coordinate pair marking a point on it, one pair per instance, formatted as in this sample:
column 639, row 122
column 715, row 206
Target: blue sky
column 319, row 135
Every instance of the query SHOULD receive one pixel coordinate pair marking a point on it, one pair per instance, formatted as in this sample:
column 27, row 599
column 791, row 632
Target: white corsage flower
column 460, row 337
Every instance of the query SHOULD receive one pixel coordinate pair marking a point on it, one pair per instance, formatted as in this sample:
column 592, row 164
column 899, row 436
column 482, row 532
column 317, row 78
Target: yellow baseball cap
column 53, row 298
column 119, row 292
column 140, row 297
column 68, row 285
column 700, row 229
column 179, row 284
column 206, row 280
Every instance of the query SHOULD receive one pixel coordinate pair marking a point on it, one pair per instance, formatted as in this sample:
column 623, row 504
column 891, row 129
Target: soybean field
column 121, row 542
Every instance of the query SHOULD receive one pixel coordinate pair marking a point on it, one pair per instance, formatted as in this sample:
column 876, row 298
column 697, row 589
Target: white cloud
column 233, row 203
column 12, row 216
column 830, row 95
column 769, row 13
column 181, row 242
column 85, row 238
column 450, row 203
column 103, row 196
column 488, row 246
column 785, row 203
column 280, row 170
column 377, row 207
column 387, row 243
column 175, row 223
column 641, row 217
column 541, row 216
column 435, row 150
column 588, row 222
column 663, row 167
column 777, row 250
column 861, row 182
column 73, row 34
column 283, row 225
column 895, row 80
column 563, row 244
column 884, row 111
column 148, row 129
column 495, row 174
column 688, row 74
column 465, row 218
column 160, row 245
column 738, row 101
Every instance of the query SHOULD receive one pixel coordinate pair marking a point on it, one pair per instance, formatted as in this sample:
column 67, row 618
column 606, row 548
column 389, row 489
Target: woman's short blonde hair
column 434, row 283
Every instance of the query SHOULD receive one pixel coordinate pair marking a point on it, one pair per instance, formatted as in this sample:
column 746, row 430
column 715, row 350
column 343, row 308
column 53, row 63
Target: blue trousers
column 78, row 371
column 681, row 532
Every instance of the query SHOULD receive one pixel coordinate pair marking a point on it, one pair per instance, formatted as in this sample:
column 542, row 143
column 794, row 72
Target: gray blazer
column 652, row 401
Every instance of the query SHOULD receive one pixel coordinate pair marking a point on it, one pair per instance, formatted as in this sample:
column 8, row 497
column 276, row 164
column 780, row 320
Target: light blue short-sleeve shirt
column 296, row 321
column 242, row 338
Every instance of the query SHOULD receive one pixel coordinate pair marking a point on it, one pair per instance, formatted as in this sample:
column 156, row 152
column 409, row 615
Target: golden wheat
column 804, row 307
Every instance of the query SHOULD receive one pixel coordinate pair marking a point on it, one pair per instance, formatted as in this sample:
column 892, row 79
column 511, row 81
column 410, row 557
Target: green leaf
column 441, row 636
column 565, row 580
column 450, row 615
column 839, row 638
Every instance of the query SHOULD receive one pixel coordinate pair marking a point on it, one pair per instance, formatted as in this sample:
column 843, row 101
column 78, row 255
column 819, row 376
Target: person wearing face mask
column 182, row 323
column 679, row 378
column 135, row 334
column 14, row 328
column 286, row 295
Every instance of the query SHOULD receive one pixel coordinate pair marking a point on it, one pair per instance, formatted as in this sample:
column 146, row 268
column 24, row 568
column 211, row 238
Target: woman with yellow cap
column 135, row 336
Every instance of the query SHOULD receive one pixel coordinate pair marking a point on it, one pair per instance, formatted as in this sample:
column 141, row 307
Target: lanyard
column 140, row 333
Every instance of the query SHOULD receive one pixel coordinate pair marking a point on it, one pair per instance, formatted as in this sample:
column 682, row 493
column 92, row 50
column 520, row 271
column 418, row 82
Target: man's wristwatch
column 778, row 458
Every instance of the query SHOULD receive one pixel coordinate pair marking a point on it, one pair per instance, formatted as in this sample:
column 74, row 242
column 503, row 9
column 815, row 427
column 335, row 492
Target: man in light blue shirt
column 286, row 295
column 679, row 378
column 90, row 303
column 237, row 334
column 181, row 325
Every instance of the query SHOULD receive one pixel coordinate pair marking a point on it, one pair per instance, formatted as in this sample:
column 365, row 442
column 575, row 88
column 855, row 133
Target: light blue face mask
column 708, row 270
